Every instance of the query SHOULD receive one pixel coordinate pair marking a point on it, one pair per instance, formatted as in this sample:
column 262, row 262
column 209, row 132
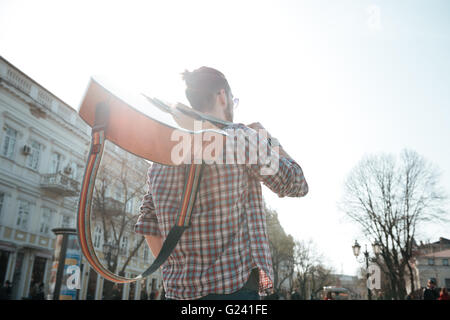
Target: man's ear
column 222, row 96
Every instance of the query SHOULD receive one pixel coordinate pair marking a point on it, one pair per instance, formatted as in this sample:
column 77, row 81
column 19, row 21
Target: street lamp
column 377, row 250
column 356, row 247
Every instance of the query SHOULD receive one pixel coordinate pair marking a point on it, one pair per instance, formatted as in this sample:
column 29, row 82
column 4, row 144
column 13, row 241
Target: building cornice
column 42, row 102
column 10, row 116
column 38, row 110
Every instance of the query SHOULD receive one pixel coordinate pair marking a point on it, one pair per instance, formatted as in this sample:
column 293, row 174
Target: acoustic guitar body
column 138, row 126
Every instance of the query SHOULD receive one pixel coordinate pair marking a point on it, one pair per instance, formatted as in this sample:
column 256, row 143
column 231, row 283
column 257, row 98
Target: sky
column 332, row 80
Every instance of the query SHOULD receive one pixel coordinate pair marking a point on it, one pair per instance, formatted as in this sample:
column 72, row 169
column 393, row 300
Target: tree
column 312, row 275
column 305, row 260
column 282, row 250
column 295, row 261
column 120, row 182
column 390, row 199
column 320, row 277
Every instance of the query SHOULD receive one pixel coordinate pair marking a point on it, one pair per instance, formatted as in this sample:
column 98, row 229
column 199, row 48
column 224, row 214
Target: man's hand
column 278, row 148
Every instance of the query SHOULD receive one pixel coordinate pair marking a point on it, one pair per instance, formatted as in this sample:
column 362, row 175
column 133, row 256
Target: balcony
column 60, row 184
column 109, row 206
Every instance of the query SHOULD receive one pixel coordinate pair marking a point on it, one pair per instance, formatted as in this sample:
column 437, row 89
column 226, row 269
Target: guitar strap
column 192, row 181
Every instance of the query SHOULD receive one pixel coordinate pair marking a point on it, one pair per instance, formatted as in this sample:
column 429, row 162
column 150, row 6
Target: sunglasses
column 235, row 102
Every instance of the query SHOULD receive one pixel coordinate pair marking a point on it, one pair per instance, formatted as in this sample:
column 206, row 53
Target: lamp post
column 111, row 251
column 376, row 249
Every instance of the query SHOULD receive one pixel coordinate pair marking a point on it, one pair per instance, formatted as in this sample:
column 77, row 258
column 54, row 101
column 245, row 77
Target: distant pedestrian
column 33, row 290
column 162, row 294
column 37, row 291
column 444, row 294
column 116, row 293
column 418, row 294
column 430, row 292
column 144, row 294
column 40, row 294
column 153, row 294
column 296, row 295
column 3, row 292
column 7, row 290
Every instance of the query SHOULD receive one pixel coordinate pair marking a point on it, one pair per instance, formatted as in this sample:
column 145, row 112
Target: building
column 431, row 260
column 43, row 147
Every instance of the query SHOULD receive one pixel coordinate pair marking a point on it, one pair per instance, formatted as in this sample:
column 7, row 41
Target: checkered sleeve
column 289, row 181
column 147, row 223
column 280, row 174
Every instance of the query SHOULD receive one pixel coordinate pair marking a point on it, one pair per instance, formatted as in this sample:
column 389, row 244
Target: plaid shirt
column 227, row 237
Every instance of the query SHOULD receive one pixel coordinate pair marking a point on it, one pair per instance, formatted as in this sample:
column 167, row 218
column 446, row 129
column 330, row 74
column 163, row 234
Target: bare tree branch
column 389, row 199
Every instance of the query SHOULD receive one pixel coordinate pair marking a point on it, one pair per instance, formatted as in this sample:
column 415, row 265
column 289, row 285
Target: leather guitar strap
column 192, row 181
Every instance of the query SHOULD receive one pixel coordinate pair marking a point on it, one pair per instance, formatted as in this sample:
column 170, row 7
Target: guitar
column 145, row 127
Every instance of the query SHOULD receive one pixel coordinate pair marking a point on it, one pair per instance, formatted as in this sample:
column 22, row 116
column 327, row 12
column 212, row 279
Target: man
column 5, row 291
column 225, row 253
column 115, row 294
column 296, row 295
column 430, row 292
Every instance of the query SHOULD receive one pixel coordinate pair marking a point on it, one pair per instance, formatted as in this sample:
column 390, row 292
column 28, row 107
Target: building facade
column 431, row 260
column 43, row 148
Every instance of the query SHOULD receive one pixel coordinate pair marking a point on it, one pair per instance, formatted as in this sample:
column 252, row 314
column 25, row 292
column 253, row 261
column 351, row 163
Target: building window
column 445, row 262
column 67, row 222
column 98, row 236
column 119, row 194
column 23, row 214
column 33, row 158
column 124, row 246
column 46, row 220
column 129, row 206
column 73, row 170
column 431, row 262
column 55, row 162
column 9, row 142
column 136, row 244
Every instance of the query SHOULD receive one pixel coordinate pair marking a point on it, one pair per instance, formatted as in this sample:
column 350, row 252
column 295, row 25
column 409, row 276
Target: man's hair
column 202, row 87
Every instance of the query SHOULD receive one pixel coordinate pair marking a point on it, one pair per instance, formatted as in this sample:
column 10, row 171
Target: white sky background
column 332, row 80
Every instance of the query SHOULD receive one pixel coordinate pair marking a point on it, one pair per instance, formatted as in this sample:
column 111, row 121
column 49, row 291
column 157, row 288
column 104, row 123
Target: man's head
column 208, row 91
column 431, row 283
